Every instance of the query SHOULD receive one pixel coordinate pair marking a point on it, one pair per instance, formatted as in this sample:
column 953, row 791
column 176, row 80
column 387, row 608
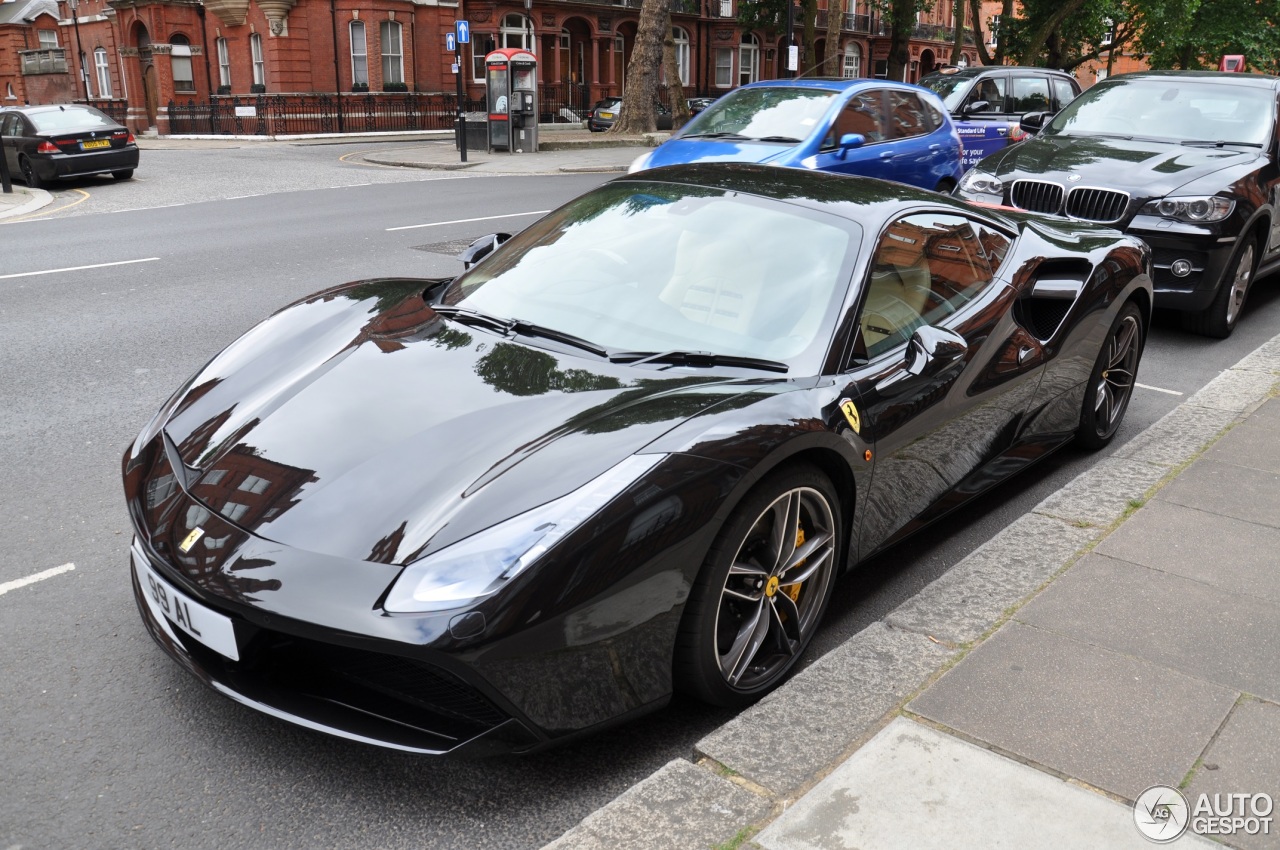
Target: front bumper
column 1208, row 249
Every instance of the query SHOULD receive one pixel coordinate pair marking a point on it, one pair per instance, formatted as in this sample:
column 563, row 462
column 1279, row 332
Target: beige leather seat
column 896, row 301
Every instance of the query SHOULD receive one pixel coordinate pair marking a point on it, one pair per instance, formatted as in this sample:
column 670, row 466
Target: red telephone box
column 1233, row 62
column 511, row 84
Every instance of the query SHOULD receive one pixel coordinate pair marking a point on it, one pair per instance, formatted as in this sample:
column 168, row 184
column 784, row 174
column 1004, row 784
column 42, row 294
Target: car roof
column 47, row 107
column 978, row 70
column 1253, row 80
column 831, row 84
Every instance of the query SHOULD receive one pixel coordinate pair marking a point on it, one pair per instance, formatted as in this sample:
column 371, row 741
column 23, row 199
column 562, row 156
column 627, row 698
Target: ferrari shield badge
column 191, row 539
column 850, row 413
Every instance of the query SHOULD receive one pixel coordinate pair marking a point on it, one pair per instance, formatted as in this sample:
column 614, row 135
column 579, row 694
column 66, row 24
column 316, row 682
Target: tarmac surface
column 1124, row 634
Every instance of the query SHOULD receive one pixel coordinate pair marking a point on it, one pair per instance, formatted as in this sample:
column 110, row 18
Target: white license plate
column 170, row 605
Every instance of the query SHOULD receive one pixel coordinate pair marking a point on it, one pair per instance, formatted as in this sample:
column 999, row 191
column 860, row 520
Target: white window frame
column 681, row 38
column 724, row 67
column 748, row 59
column 259, row 64
column 102, row 67
column 359, row 52
column 48, row 39
column 477, row 61
column 180, row 62
column 514, row 32
column 851, row 63
column 726, row 8
column 224, row 63
column 391, row 39
column 993, row 35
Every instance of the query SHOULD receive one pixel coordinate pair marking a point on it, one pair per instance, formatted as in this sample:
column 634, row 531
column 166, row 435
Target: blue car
column 873, row 128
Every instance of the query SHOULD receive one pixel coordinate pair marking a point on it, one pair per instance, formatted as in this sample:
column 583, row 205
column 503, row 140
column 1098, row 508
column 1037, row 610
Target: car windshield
column 949, row 87
column 657, row 267
column 764, row 112
column 1177, row 109
column 69, row 120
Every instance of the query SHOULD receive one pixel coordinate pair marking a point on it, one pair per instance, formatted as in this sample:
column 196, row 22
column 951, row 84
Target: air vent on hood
column 1090, row 204
column 1037, row 196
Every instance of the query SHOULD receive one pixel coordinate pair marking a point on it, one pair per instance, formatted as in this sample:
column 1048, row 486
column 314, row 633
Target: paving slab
column 1215, row 635
column 1227, row 490
column 913, row 787
column 1116, row 722
column 680, row 805
column 967, row 600
column 783, row 740
column 1252, row 443
column 1101, row 495
column 1237, row 556
column 1245, row 759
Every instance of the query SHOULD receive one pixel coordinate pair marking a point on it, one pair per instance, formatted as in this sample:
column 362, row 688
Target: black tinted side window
column 1063, row 91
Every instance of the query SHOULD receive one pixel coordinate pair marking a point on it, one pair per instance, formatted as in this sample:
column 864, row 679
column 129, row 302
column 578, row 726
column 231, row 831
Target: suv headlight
column 977, row 182
column 486, row 562
column 1191, row 209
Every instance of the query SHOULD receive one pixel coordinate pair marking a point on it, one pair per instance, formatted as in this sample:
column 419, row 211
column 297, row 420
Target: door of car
column 934, row 422
column 983, row 119
column 921, row 153
column 864, row 114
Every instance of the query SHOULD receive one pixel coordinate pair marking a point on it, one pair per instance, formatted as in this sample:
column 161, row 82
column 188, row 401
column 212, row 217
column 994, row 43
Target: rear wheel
column 123, row 174
column 1111, row 382
column 1220, row 318
column 762, row 591
column 29, row 175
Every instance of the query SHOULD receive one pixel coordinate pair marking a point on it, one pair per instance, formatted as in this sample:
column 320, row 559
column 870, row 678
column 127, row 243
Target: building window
column 259, row 66
column 515, row 32
column 48, row 39
column 748, row 59
column 726, row 8
column 993, row 36
column 103, row 71
column 724, row 67
column 852, row 68
column 477, row 61
column 180, row 63
column 682, row 54
column 224, row 64
column 1110, row 35
column 392, row 53
column 359, row 55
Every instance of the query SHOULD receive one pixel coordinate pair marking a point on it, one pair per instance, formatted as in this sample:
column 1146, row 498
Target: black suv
column 987, row 103
column 1185, row 160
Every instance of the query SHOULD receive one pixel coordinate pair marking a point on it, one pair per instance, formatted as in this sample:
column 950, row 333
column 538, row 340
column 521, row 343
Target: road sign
column 450, row 43
column 463, row 29
column 793, row 58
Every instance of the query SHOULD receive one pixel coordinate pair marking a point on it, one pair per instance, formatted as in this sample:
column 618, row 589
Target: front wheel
column 1220, row 317
column 1111, row 382
column 762, row 591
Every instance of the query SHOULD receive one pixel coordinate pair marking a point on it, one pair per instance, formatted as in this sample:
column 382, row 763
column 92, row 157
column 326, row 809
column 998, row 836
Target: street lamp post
column 75, row 19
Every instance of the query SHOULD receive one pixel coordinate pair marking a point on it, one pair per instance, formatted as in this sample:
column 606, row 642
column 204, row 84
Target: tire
column 123, row 174
column 1110, row 386
column 29, row 175
column 743, row 629
column 944, row 186
column 1219, row 318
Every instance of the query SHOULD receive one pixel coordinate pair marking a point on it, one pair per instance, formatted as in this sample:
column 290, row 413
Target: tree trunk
column 809, row 8
column 675, row 89
column 902, row 20
column 975, row 12
column 1039, row 39
column 835, row 21
column 957, row 47
column 637, row 115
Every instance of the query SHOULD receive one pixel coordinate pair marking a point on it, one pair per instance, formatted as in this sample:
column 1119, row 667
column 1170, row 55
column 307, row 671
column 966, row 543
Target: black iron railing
column 562, row 103
column 116, row 110
column 299, row 114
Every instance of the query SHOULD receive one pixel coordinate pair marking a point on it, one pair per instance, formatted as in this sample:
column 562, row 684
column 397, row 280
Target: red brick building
column 146, row 53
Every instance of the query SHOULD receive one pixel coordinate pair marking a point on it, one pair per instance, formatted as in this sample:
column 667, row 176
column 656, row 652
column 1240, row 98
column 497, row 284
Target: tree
column 902, row 23
column 1191, row 34
column 637, row 115
column 835, row 21
column 957, row 46
column 675, row 86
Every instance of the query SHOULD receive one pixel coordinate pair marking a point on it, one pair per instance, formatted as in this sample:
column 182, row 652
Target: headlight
column 640, row 163
column 484, row 563
column 1193, row 209
column 977, row 182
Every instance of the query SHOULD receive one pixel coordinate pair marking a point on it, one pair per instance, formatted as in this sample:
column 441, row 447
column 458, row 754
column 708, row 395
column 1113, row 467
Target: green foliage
column 1196, row 33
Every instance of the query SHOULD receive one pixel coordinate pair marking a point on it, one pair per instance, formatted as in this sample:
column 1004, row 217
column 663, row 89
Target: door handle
column 886, row 154
column 935, row 147
column 1024, row 354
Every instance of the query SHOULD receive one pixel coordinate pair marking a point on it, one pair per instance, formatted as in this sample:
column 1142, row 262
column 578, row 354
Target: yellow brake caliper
column 793, row 590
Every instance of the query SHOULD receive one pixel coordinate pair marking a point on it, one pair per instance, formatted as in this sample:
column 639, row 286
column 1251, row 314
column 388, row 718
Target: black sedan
column 47, row 143
column 627, row 452
column 1185, row 160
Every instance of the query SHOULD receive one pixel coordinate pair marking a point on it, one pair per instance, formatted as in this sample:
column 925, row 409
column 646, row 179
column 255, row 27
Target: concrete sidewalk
column 22, row 201
column 1124, row 634
column 560, row 152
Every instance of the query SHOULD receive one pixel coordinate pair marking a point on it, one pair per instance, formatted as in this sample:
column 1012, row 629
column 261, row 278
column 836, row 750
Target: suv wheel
column 1219, row 319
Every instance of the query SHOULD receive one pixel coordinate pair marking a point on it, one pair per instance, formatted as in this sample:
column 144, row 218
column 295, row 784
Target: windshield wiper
column 788, row 139
column 1217, row 144
column 507, row 327
column 696, row 358
column 735, row 136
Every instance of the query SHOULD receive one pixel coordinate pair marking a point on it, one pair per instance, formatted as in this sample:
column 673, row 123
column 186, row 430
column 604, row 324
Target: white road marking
column 467, row 220
column 23, row 582
column 79, row 268
column 1157, row 389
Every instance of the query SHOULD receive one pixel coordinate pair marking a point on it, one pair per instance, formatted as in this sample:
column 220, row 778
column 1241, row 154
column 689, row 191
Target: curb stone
column 822, row 714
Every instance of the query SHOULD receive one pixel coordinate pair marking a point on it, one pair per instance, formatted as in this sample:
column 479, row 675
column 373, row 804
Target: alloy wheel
column 1240, row 284
column 1115, row 383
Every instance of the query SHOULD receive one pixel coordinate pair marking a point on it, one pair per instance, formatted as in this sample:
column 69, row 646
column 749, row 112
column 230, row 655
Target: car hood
column 1144, row 168
column 361, row 424
column 678, row 151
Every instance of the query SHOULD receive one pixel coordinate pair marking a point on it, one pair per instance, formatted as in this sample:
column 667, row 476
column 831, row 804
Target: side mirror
column 931, row 350
column 481, row 248
column 1032, row 122
column 848, row 142
column 976, row 106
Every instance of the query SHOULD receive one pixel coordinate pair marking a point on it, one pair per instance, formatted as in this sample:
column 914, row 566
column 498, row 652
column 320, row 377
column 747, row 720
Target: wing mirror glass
column 481, row 248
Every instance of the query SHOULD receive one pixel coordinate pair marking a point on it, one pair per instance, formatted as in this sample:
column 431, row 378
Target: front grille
column 1037, row 196
column 416, row 683
column 1090, row 204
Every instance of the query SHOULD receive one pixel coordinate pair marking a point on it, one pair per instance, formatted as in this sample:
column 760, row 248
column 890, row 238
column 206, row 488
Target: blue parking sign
column 449, row 43
column 463, row 29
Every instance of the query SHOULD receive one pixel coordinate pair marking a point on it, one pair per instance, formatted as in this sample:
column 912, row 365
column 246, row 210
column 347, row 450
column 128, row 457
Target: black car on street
column 53, row 142
column 1185, row 160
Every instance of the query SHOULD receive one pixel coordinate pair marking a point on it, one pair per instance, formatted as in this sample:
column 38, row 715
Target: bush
column 395, row 87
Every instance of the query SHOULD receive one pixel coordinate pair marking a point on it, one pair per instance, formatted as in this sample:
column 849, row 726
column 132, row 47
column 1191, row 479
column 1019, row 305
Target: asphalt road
column 103, row 741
